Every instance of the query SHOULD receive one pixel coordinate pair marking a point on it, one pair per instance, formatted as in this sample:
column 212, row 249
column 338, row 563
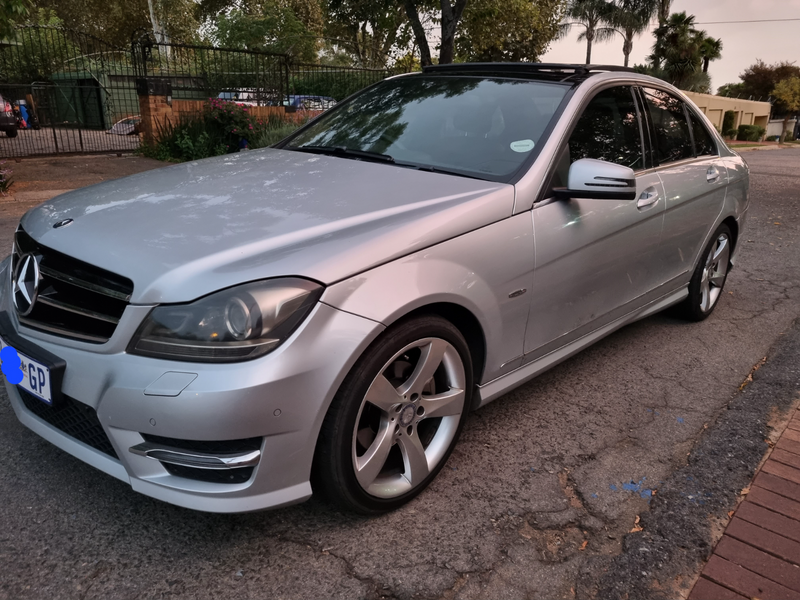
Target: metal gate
column 74, row 87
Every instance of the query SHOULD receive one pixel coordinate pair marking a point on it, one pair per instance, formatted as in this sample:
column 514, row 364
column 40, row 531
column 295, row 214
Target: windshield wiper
column 432, row 169
column 345, row 152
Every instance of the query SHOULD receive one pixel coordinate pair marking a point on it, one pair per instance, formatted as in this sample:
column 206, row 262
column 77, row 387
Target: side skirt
column 496, row 388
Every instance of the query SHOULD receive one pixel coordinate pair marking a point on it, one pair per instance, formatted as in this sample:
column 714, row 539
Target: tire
column 710, row 274
column 396, row 418
column 12, row 133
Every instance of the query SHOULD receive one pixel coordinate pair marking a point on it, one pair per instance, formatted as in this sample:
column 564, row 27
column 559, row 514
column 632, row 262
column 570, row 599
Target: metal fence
column 80, row 91
column 262, row 78
column 73, row 86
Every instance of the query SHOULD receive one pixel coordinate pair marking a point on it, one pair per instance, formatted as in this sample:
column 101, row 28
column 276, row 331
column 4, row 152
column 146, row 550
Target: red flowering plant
column 235, row 121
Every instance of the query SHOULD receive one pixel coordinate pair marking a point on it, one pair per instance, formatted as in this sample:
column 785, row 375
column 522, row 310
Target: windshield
column 479, row 127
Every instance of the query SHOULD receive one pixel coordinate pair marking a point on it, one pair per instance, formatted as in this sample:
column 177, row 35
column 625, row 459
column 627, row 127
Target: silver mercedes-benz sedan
column 230, row 334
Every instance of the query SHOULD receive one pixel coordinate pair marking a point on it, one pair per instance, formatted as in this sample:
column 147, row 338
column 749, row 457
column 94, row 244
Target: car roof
column 546, row 71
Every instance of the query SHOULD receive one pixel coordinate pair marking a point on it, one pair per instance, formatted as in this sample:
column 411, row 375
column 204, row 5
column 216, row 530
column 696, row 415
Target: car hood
column 187, row 230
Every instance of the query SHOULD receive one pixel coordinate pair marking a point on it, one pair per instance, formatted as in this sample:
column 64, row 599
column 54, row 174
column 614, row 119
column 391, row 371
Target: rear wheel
column 709, row 276
column 11, row 132
column 396, row 418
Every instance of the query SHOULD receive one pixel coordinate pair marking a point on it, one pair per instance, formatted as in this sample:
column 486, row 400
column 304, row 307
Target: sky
column 743, row 43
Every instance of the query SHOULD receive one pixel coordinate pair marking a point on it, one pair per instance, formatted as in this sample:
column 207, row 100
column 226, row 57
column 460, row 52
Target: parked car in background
column 230, row 334
column 304, row 102
column 126, row 126
column 8, row 120
column 243, row 97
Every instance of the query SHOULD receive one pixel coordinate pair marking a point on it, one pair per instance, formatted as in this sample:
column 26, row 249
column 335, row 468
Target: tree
column 664, row 7
column 629, row 18
column 11, row 12
column 710, row 49
column 593, row 16
column 681, row 51
column 449, row 19
column 731, row 90
column 369, row 30
column 788, row 92
column 115, row 22
column 275, row 29
column 759, row 81
column 514, row 30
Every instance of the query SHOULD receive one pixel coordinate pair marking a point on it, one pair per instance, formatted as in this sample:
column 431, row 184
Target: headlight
column 236, row 324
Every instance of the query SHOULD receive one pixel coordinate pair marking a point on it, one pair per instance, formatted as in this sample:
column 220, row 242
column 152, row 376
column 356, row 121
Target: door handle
column 712, row 174
column 648, row 198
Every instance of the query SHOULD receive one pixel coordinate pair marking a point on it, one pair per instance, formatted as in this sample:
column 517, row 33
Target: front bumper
column 281, row 398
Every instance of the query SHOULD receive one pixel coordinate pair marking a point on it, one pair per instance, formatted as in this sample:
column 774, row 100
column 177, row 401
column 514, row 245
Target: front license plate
column 35, row 377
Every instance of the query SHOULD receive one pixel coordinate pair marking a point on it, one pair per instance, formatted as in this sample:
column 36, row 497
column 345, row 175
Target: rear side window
column 703, row 142
column 609, row 130
column 673, row 140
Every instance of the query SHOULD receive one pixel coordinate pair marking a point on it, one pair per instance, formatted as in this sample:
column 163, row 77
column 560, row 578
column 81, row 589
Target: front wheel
column 396, row 418
column 709, row 276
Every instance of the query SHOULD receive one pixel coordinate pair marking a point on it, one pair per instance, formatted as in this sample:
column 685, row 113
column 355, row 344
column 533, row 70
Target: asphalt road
column 537, row 500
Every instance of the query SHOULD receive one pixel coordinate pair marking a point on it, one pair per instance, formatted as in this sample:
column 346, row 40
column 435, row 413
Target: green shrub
column 274, row 134
column 773, row 138
column 750, row 133
column 728, row 119
column 221, row 128
column 731, row 133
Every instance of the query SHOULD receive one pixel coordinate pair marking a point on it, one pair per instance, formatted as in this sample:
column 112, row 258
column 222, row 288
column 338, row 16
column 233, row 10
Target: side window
column 609, row 130
column 673, row 140
column 703, row 141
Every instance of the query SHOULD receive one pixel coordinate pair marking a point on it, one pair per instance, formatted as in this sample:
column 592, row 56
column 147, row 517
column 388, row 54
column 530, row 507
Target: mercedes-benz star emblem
column 63, row 223
column 26, row 284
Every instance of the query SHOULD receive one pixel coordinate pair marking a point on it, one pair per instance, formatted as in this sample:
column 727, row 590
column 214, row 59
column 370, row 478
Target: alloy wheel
column 714, row 272
column 408, row 418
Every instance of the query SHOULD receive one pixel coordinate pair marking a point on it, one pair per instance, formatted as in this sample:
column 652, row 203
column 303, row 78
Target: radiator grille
column 76, row 300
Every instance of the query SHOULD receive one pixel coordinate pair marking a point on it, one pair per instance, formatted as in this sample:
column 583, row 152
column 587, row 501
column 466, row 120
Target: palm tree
column 593, row 15
column 676, row 43
column 663, row 11
column 710, row 49
column 630, row 18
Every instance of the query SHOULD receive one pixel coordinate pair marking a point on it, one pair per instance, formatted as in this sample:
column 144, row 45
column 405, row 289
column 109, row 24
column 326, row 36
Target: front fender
column 478, row 271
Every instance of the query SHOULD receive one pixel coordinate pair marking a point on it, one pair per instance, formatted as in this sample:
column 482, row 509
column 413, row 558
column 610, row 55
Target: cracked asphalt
column 646, row 431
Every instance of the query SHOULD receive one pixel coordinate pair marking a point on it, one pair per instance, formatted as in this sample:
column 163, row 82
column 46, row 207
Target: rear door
column 596, row 260
column 694, row 178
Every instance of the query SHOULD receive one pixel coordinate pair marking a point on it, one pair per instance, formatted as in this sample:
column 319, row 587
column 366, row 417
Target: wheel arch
column 465, row 321
column 733, row 225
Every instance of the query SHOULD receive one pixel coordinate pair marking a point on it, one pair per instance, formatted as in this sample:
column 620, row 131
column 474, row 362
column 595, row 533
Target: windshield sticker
column 522, row 145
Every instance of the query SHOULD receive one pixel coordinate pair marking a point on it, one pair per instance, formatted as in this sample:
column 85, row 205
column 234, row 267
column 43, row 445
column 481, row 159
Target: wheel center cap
column 407, row 415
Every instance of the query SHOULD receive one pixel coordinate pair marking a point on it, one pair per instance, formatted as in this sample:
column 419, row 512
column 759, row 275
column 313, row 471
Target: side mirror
column 599, row 180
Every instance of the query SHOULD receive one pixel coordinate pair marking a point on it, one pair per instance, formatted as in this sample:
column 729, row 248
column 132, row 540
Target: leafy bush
column 773, row 138
column 750, row 133
column 222, row 127
column 5, row 178
column 273, row 134
column 731, row 133
column 728, row 120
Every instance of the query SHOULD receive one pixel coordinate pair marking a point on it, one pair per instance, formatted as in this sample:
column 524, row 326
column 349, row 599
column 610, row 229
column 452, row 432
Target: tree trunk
column 627, row 46
column 419, row 32
column 705, row 64
column 451, row 16
column 589, row 38
column 785, row 128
